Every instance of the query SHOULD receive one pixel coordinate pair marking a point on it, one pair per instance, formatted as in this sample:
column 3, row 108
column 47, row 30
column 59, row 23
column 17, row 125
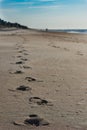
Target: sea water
column 82, row 31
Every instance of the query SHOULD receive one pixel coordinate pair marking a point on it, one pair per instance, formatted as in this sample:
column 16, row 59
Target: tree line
column 9, row 24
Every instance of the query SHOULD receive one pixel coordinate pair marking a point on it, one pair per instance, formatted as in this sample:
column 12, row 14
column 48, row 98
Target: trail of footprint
column 33, row 120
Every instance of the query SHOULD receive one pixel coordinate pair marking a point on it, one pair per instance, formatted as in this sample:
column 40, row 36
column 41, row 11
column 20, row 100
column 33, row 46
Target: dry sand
column 53, row 67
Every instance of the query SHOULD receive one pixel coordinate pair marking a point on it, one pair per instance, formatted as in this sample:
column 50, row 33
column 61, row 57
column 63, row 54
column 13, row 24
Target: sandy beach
column 43, row 80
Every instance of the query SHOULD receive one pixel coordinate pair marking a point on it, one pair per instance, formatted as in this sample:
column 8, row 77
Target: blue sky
column 53, row 14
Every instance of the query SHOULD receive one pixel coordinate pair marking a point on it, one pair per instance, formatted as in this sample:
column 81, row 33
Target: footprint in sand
column 24, row 50
column 20, row 62
column 39, row 101
column 17, row 48
column 20, row 51
column 23, row 88
column 25, row 53
column 27, row 67
column 30, row 79
column 24, row 59
column 55, row 46
column 32, row 120
column 66, row 49
column 79, row 53
column 19, row 56
column 17, row 72
column 35, row 120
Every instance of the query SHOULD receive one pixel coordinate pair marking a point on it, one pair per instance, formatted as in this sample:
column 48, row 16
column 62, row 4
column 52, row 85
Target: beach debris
column 38, row 100
column 35, row 120
column 23, row 88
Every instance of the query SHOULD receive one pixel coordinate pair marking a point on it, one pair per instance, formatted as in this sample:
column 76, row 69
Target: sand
column 43, row 74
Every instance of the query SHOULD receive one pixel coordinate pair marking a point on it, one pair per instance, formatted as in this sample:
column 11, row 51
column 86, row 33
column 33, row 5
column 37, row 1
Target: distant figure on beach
column 46, row 29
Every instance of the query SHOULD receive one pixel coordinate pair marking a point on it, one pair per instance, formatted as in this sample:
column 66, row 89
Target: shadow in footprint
column 35, row 120
column 23, row 88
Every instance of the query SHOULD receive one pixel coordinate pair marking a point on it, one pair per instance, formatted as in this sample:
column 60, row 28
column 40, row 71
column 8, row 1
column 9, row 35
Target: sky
column 51, row 14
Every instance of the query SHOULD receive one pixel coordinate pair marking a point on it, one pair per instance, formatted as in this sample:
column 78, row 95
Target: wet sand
column 43, row 76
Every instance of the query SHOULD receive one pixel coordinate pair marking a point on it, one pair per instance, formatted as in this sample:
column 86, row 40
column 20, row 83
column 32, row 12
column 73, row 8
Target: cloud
column 47, row 7
column 21, row 3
